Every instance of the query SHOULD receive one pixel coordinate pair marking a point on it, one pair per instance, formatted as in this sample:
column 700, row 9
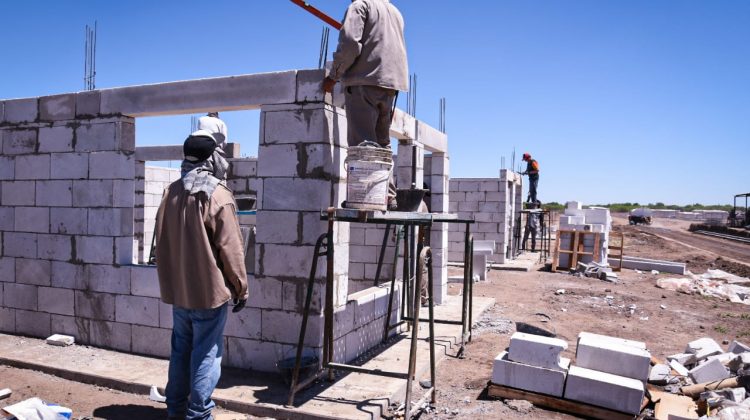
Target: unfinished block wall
column 75, row 200
column 493, row 203
column 156, row 180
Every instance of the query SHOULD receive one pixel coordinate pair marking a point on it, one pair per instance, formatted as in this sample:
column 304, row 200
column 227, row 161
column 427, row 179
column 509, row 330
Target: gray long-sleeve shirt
column 371, row 49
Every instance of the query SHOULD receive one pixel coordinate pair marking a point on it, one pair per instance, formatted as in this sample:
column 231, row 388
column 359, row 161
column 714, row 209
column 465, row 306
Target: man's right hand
column 239, row 304
column 328, row 84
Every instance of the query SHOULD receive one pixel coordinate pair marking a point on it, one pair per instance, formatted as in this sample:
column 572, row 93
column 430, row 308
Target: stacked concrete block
column 533, row 363
column 604, row 390
column 493, row 203
column 156, row 181
column 591, row 219
column 613, row 355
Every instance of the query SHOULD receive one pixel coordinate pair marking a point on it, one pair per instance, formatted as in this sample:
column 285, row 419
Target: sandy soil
column 87, row 401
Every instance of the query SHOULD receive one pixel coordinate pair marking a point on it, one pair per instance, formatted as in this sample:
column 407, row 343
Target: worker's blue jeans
column 195, row 363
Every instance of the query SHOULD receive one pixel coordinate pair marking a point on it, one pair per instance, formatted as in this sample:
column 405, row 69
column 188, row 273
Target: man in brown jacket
column 201, row 266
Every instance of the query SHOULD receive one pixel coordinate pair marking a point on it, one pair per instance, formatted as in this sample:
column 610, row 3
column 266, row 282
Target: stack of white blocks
column 609, row 372
column 533, row 363
column 592, row 219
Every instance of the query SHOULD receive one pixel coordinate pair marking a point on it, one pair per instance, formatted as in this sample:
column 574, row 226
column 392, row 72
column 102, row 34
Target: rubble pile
column 715, row 283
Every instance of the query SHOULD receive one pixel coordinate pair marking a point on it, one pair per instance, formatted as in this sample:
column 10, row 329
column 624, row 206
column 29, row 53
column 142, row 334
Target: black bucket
column 409, row 200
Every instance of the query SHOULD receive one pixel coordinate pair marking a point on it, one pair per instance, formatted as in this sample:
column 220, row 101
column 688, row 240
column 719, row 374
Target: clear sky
column 618, row 100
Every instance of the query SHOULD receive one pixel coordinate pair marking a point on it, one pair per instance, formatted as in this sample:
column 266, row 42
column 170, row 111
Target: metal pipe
column 382, row 253
column 328, row 325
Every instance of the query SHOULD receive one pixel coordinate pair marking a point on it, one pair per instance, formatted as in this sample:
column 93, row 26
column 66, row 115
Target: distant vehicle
column 640, row 216
column 636, row 220
column 740, row 216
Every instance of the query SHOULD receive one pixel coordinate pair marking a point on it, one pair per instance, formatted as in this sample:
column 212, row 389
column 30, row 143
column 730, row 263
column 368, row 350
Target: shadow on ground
column 130, row 411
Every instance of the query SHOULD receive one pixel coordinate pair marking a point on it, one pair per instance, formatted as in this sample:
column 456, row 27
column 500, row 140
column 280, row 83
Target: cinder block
column 21, row 110
column 284, row 327
column 19, row 244
column 296, row 194
column 137, row 310
column 7, row 320
column 709, row 371
column 737, row 347
column 110, row 222
column 56, row 301
column 35, row 324
column 54, row 193
column 678, row 367
column 54, row 247
column 33, row 271
column 489, row 207
column 20, row 296
column 277, row 227
column 55, row 139
column 69, row 165
column 65, row 274
column 244, row 324
column 57, row 107
column 703, row 347
column 144, row 281
column 310, row 86
column 165, row 315
column 529, row 378
column 32, row 219
column 151, row 341
column 7, row 165
column 95, row 193
column 573, row 205
column 95, row 249
column 265, row 293
column 614, row 340
column 111, row 165
column 296, row 126
column 32, row 167
column 7, row 270
column 278, row 160
column 95, row 305
column 95, row 137
column 19, row 142
column 536, row 350
column 362, row 339
column 111, row 335
column 610, row 357
column 73, row 221
column 256, row 355
column 105, row 278
column 18, row 193
column 87, row 103
column 288, row 261
column 604, row 390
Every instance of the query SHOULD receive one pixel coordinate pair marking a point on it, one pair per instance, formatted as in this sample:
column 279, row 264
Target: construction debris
column 60, row 340
column 596, row 270
column 715, row 283
column 5, row 393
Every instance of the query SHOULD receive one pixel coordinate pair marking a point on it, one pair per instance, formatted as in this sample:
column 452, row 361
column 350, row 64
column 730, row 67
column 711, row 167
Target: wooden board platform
column 555, row 403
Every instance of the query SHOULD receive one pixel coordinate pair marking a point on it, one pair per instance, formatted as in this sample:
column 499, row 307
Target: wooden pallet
column 620, row 248
column 576, row 250
column 555, row 403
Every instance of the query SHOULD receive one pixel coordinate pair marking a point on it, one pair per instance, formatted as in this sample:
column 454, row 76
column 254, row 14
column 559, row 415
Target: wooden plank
column 175, row 152
column 556, row 255
column 596, row 255
column 554, row 403
column 574, row 258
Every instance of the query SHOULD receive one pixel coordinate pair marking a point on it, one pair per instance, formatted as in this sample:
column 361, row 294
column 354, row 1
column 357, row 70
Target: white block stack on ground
column 591, row 219
column 533, row 363
column 615, row 356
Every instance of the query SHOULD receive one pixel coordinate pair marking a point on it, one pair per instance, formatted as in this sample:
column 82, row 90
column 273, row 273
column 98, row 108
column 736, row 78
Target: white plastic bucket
column 368, row 170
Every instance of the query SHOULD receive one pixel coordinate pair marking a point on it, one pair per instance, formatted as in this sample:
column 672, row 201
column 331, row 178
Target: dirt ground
column 665, row 320
column 87, row 401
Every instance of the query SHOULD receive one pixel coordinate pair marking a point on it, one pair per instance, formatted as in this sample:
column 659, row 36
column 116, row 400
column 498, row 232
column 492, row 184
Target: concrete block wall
column 67, row 204
column 493, row 203
column 156, row 180
column 73, row 200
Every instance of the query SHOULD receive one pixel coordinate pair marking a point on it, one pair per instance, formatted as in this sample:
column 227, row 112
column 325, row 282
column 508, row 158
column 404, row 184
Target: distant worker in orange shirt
column 532, row 170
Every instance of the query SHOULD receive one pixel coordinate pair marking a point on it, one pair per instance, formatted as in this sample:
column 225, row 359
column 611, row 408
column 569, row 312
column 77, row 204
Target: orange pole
column 320, row 15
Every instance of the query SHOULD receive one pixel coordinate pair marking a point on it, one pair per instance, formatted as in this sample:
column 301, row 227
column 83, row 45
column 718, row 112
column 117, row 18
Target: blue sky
column 619, row 100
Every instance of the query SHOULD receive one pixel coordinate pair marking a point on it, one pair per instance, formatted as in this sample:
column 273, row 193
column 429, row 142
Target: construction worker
column 214, row 125
column 201, row 267
column 532, row 170
column 370, row 61
column 534, row 222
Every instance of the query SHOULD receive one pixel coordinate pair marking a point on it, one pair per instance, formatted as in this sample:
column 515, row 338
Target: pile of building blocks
column 591, row 219
column 608, row 372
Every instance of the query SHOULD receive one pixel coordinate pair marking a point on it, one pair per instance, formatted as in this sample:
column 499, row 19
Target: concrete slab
column 537, row 350
column 529, row 378
column 353, row 396
column 604, row 390
column 606, row 355
column 703, row 347
column 634, row 263
column 710, row 371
